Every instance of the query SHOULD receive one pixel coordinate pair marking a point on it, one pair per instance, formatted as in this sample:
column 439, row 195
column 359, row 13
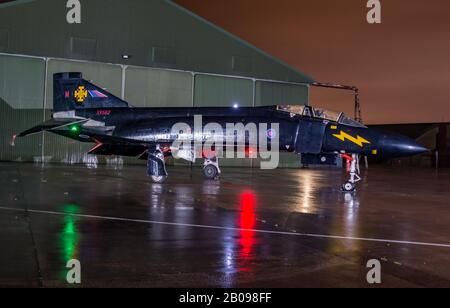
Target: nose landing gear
column 354, row 170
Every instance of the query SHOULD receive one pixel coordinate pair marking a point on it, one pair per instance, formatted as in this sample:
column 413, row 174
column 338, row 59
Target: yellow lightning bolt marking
column 358, row 140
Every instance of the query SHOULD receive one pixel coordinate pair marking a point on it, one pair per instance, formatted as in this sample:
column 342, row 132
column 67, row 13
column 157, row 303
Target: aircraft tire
column 210, row 172
column 348, row 187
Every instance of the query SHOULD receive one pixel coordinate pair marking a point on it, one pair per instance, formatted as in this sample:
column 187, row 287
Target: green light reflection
column 68, row 238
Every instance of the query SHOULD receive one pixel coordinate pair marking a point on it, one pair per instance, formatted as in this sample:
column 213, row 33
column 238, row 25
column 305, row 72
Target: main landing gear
column 156, row 167
column 211, row 169
column 354, row 170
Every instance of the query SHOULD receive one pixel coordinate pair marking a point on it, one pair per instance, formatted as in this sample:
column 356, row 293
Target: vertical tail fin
column 71, row 91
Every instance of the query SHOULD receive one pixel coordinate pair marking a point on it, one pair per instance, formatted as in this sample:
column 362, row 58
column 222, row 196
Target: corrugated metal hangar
column 151, row 53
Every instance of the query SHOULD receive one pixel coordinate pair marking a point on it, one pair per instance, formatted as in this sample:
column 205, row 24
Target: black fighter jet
column 87, row 113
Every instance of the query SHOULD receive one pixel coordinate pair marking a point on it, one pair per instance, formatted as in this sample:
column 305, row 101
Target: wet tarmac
column 253, row 228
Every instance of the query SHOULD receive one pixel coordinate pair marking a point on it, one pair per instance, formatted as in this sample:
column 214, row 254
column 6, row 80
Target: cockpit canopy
column 318, row 113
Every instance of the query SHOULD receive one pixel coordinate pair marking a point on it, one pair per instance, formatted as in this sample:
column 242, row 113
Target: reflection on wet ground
column 253, row 228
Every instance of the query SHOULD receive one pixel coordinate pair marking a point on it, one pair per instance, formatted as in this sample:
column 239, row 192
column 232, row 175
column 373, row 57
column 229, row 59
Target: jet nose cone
column 400, row 146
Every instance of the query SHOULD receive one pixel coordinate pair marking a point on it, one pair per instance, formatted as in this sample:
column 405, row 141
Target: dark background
column 401, row 66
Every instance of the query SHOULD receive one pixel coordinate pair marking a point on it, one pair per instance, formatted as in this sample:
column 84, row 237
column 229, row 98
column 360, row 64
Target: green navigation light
column 74, row 128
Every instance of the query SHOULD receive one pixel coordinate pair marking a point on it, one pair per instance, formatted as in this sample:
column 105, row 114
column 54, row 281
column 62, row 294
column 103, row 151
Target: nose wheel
column 353, row 168
column 211, row 170
column 349, row 187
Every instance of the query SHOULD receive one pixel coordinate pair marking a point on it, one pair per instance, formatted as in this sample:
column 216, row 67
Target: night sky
column 402, row 66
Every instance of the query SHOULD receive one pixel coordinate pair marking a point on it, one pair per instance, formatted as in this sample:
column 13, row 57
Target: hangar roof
column 5, row 3
column 155, row 33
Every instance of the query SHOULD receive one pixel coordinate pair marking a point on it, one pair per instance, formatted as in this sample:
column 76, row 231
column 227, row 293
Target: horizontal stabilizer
column 50, row 125
column 108, row 139
column 112, row 145
column 115, row 149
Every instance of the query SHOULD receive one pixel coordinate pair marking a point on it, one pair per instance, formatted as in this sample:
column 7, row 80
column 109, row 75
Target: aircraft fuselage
column 297, row 133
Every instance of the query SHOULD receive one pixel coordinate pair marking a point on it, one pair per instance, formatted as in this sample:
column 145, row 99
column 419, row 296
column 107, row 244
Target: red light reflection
column 247, row 221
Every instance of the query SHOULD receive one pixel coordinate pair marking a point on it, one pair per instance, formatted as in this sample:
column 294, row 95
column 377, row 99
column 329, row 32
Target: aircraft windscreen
column 296, row 109
column 345, row 120
column 327, row 114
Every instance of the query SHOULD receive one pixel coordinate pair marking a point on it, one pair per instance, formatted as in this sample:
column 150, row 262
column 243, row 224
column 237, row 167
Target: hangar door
column 218, row 91
column 274, row 93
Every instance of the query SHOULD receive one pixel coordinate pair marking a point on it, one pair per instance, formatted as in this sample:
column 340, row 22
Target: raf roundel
column 271, row 133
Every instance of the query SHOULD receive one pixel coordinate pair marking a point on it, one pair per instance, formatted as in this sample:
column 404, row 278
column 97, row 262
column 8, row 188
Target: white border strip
column 153, row 222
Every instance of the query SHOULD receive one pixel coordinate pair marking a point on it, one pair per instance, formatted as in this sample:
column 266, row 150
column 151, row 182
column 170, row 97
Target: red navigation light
column 249, row 151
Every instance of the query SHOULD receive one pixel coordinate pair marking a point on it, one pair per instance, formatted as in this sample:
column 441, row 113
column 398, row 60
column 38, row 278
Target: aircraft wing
column 108, row 139
column 108, row 145
column 51, row 124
